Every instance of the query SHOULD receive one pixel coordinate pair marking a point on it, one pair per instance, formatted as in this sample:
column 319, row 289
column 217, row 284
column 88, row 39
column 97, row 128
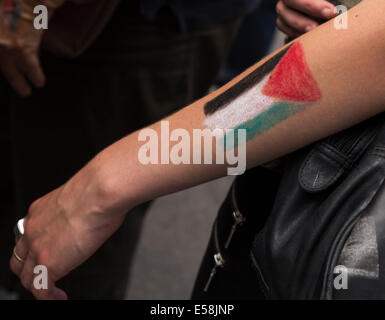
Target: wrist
column 94, row 192
column 113, row 180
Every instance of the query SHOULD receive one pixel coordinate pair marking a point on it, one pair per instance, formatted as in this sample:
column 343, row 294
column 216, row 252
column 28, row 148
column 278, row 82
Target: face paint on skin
column 15, row 15
column 243, row 85
column 292, row 80
column 285, row 90
column 10, row 12
column 241, row 109
column 265, row 120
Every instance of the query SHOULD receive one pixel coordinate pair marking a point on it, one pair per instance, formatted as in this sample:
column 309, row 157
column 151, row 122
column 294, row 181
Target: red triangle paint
column 292, row 80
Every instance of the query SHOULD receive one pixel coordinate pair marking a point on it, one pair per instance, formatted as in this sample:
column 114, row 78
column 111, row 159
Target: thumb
column 31, row 66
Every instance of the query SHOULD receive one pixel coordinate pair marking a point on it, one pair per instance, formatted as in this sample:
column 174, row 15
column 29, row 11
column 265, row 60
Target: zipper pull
column 219, row 262
column 239, row 220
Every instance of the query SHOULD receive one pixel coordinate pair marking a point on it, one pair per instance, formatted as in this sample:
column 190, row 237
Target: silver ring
column 19, row 229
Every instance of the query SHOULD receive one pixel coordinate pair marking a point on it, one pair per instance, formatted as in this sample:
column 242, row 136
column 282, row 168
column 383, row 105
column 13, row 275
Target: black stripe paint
column 246, row 83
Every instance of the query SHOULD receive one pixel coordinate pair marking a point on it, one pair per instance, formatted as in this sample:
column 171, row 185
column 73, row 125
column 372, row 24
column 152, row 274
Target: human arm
column 346, row 65
column 66, row 226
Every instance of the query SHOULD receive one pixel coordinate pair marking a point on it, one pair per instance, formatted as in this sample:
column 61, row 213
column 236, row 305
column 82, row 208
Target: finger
column 43, row 288
column 15, row 265
column 22, row 251
column 51, row 292
column 30, row 65
column 32, row 206
column 27, row 275
column 294, row 19
column 315, row 8
column 15, row 78
column 291, row 33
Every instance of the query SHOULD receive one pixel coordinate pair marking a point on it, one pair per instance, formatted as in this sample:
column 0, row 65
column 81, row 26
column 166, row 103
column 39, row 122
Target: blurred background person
column 252, row 42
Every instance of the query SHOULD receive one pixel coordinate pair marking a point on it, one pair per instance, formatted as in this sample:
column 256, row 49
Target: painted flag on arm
column 280, row 88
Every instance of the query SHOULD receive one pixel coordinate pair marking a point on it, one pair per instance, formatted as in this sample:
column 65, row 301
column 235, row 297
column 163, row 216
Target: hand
column 20, row 43
column 19, row 46
column 63, row 229
column 295, row 16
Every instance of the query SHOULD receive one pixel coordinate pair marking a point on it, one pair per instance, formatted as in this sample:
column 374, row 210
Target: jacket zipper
column 239, row 219
column 219, row 261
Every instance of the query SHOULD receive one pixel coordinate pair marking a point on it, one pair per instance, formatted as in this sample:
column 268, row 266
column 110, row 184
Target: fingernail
column 327, row 13
column 309, row 28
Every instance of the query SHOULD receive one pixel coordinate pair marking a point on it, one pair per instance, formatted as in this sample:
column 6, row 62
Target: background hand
column 296, row 17
column 19, row 46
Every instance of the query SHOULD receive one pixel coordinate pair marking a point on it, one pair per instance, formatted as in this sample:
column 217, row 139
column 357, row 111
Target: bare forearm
column 339, row 81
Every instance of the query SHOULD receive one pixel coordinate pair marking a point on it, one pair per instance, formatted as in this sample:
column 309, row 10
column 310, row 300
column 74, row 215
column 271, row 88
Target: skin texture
column 65, row 227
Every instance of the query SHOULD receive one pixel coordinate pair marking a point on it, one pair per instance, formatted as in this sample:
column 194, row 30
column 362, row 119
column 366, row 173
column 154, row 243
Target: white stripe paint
column 243, row 108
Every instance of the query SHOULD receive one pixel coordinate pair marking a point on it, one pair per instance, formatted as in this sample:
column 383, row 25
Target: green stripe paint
column 263, row 122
